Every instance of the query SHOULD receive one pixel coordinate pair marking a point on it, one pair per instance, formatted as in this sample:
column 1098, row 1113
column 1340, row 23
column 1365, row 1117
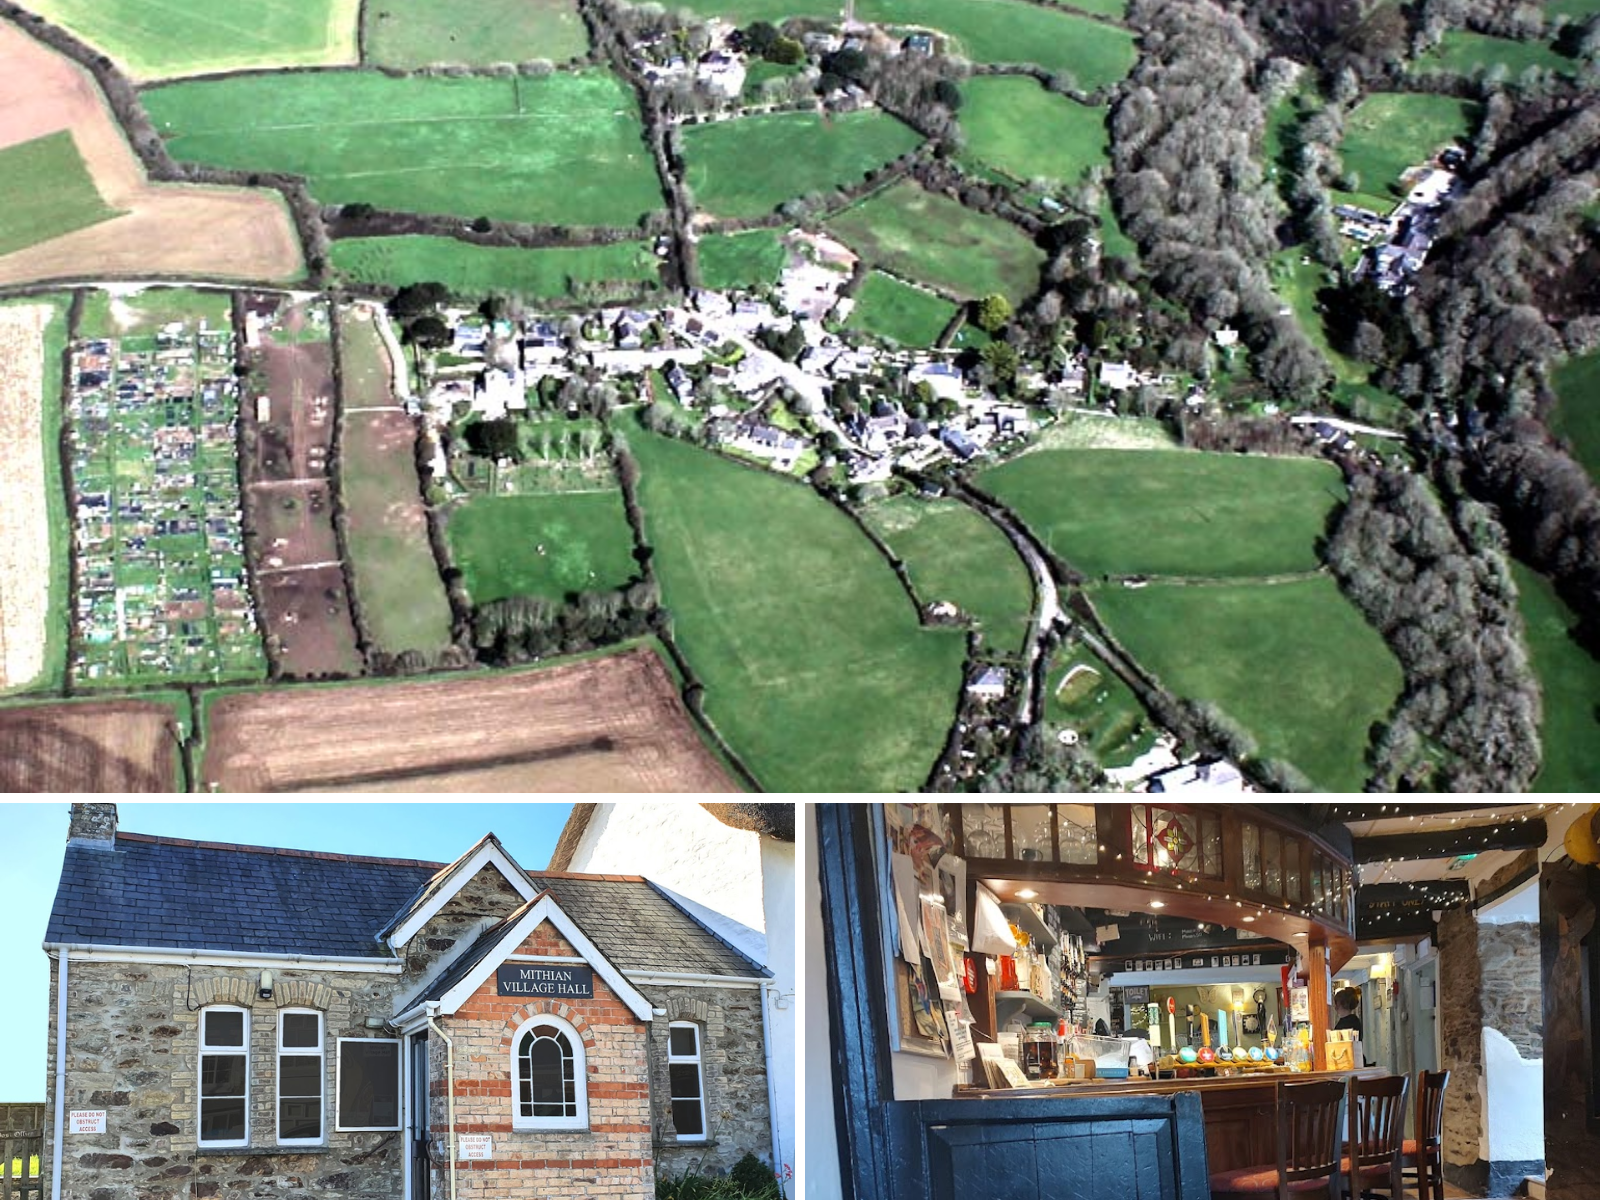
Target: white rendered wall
column 1513, row 1102
column 1514, row 908
column 819, row 1174
column 778, row 884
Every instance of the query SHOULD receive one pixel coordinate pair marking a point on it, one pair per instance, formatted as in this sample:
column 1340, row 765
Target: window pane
column 300, row 1118
column 300, row 1075
column 686, row 1118
column 369, row 1085
column 222, row 1074
column 224, row 1029
column 1271, row 863
column 1252, row 857
column 680, row 1042
column 222, row 1120
column 685, row 1080
column 300, row 1029
column 1076, row 831
column 1030, row 833
column 544, row 1063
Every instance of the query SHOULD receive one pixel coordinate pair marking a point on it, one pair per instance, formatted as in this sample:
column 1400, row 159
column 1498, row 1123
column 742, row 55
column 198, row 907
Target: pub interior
column 1210, row 1002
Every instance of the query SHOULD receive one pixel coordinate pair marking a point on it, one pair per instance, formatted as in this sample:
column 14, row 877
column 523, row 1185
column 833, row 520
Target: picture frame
column 919, row 1011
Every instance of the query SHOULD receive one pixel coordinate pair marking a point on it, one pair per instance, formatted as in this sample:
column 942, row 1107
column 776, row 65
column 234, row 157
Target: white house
column 1119, row 377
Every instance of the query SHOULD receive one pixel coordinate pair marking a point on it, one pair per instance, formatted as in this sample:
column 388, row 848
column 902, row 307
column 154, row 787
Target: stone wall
column 133, row 1037
column 733, row 1065
column 1461, row 1043
column 1512, row 998
column 484, row 899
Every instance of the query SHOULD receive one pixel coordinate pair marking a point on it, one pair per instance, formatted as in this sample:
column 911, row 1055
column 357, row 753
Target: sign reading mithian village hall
column 537, row 979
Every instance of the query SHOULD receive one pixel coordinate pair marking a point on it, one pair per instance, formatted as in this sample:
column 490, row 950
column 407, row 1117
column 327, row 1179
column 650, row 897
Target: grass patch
column 937, row 241
column 1298, row 283
column 541, row 545
column 567, row 149
column 471, row 270
column 1119, row 512
column 159, row 39
column 1085, row 695
column 1114, row 243
column 743, row 12
column 740, row 260
column 107, row 315
column 1115, row 9
column 46, row 191
column 1461, row 52
column 748, row 166
column 1576, row 10
column 1576, row 415
column 954, row 554
column 1294, row 663
column 1569, row 678
column 1390, row 132
column 416, row 33
column 1015, row 125
column 1006, row 31
column 889, row 308
column 815, row 668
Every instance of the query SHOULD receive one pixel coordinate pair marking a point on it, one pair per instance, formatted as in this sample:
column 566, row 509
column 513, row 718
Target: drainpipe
column 450, row 1099
column 769, row 993
column 61, row 1073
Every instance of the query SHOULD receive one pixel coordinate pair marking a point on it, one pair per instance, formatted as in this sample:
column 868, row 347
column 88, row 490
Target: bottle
column 1039, row 1051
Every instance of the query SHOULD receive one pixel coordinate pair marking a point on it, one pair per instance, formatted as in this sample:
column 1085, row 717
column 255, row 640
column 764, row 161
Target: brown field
column 24, row 513
column 110, row 746
column 167, row 229
column 607, row 724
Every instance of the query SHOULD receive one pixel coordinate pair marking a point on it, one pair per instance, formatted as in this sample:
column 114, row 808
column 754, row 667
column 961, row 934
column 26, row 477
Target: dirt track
column 168, row 229
column 109, row 746
column 24, row 512
column 610, row 724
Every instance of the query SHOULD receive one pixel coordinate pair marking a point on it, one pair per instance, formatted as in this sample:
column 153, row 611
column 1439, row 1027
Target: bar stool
column 1377, row 1130
column 1423, row 1155
column 1309, row 1117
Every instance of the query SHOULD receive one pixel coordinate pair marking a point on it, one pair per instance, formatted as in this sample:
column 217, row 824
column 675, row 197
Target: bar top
column 1126, row 1087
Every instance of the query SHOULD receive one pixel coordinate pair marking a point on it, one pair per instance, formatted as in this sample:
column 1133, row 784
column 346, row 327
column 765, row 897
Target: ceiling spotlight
column 1026, row 894
column 1299, row 935
column 1158, row 904
column 1249, row 919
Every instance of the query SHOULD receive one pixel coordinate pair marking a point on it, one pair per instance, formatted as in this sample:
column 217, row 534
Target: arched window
column 549, row 1081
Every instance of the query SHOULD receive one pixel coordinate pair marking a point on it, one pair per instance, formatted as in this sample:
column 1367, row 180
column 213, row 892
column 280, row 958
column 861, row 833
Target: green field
column 1008, row 31
column 937, row 241
column 1569, row 678
column 158, row 39
column 740, row 260
column 1014, row 125
column 1576, row 416
column 469, row 270
column 1106, row 715
column 542, row 545
column 954, row 554
column 1115, row 9
column 815, row 668
column 1161, row 512
column 567, row 149
column 742, row 12
column 1577, row 10
column 1294, row 663
column 416, row 33
column 749, row 166
column 105, row 315
column 1390, row 132
column 1461, row 52
column 45, row 192
column 888, row 308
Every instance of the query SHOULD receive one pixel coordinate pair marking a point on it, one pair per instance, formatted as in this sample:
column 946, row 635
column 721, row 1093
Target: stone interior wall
column 1512, row 998
column 485, row 898
column 611, row 1160
column 133, row 1038
column 733, row 1064
column 1461, row 1035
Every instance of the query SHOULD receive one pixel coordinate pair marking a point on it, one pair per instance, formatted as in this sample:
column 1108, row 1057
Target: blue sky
column 33, row 837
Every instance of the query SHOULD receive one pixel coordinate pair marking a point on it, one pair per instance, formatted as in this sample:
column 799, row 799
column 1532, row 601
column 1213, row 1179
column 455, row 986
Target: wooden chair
column 1377, row 1132
column 1310, row 1116
column 1423, row 1156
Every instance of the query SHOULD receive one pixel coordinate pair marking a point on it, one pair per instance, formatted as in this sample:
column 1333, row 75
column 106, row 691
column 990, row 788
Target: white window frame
column 338, row 1083
column 580, row 1077
column 697, row 1059
column 319, row 1052
column 242, row 1050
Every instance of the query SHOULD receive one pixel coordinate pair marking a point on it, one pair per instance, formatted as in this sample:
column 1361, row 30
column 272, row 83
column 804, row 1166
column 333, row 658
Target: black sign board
column 554, row 980
column 1173, row 937
column 1273, row 956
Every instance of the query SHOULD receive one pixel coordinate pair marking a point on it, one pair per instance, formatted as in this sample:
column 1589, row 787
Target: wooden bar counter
column 1240, row 1110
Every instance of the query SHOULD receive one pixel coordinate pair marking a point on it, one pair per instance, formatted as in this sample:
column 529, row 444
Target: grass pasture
column 567, row 149
column 1093, row 53
column 1575, row 10
column 748, row 166
column 471, row 270
column 418, row 33
column 1085, row 695
column 161, row 39
column 1184, row 513
column 144, row 312
column 46, row 191
column 740, row 260
column 1569, row 679
column 541, row 545
column 815, row 668
column 1294, row 663
column 937, row 241
column 1576, row 416
column 1389, row 132
column 1016, row 126
column 887, row 307
column 743, row 12
column 1462, row 52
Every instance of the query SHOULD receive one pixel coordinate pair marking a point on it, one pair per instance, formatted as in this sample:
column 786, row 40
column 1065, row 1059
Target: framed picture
column 921, row 1022
column 936, row 936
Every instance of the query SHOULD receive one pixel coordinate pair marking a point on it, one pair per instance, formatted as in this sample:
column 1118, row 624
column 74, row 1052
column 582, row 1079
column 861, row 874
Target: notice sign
column 475, row 1145
column 545, row 979
column 88, row 1120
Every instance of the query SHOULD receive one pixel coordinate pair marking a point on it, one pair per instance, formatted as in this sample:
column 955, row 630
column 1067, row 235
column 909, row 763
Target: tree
column 428, row 333
column 415, row 299
column 946, row 92
column 786, row 51
column 760, row 37
column 481, row 224
column 493, row 439
column 357, row 211
column 991, row 313
column 1002, row 360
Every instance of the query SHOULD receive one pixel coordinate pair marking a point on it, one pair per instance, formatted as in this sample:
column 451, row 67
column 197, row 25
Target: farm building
column 373, row 1027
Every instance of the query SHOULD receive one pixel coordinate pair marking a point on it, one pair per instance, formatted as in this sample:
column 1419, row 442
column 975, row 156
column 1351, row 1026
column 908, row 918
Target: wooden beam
column 1353, row 813
column 1448, row 843
column 1317, row 971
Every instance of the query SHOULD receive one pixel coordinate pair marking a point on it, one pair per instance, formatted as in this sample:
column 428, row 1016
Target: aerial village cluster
column 1397, row 243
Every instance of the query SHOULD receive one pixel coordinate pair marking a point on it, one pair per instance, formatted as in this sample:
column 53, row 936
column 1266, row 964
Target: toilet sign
column 88, row 1120
column 475, row 1145
column 545, row 979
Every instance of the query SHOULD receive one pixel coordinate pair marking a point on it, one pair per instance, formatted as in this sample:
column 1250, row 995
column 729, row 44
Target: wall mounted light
column 265, row 990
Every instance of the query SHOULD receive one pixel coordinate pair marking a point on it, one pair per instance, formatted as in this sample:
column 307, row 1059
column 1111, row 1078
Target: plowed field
column 608, row 724
column 116, row 746
column 24, row 514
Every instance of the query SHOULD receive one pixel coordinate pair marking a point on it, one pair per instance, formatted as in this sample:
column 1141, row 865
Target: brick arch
column 681, row 1008
column 538, row 1008
column 302, row 993
column 224, row 989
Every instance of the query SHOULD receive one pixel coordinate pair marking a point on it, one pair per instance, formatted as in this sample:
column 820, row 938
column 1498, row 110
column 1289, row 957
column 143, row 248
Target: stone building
column 252, row 1022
